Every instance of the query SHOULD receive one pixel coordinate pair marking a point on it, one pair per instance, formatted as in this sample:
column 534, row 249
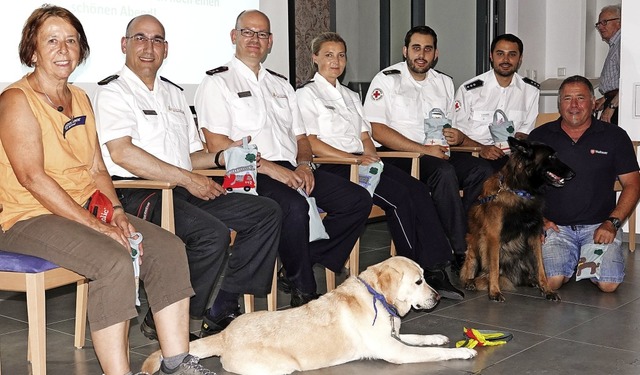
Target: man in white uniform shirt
column 400, row 98
column 243, row 98
column 147, row 131
column 499, row 88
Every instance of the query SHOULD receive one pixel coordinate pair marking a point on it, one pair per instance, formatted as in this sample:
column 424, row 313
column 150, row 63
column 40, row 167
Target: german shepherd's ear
column 521, row 146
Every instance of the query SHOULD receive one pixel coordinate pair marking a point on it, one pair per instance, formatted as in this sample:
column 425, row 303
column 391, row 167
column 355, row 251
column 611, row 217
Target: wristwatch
column 613, row 106
column 615, row 221
column 308, row 164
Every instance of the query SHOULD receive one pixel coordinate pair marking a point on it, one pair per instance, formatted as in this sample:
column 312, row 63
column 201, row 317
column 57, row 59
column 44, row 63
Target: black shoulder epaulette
column 219, row 69
column 277, row 74
column 108, row 79
column 304, row 84
column 443, row 73
column 531, row 82
column 475, row 84
column 390, row 71
column 167, row 81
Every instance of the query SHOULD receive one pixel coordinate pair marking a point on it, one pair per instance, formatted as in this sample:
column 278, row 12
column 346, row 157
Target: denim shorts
column 561, row 251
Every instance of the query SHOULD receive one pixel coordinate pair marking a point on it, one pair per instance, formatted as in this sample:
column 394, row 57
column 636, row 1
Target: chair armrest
column 143, row 184
column 166, row 220
column 399, row 154
column 471, row 149
column 214, row 172
column 336, row 160
column 353, row 162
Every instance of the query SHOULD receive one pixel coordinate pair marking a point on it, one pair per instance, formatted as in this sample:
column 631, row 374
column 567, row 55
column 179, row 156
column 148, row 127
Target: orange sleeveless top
column 68, row 146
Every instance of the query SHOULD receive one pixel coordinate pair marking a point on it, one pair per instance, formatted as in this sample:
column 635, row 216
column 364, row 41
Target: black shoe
column 284, row 284
column 148, row 327
column 211, row 326
column 458, row 262
column 439, row 280
column 298, row 298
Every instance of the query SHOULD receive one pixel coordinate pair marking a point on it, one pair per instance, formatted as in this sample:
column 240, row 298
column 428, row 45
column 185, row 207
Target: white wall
column 630, row 68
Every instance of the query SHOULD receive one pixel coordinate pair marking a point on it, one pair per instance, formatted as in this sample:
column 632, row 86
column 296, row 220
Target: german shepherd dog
column 506, row 224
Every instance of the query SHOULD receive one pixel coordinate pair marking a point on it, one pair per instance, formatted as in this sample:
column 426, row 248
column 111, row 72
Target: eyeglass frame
column 143, row 39
column 254, row 33
column 605, row 22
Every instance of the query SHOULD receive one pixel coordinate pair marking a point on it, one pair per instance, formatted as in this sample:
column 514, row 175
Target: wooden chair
column 34, row 276
column 249, row 299
column 354, row 258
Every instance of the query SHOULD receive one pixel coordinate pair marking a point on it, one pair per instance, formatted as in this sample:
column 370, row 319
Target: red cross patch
column 376, row 94
column 457, row 105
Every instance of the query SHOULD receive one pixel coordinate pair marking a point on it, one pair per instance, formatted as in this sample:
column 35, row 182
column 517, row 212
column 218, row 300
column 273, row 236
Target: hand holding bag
column 501, row 129
column 242, row 171
column 433, row 126
column 369, row 175
column 316, row 228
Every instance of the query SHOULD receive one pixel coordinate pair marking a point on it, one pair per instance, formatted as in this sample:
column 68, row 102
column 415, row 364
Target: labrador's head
column 401, row 281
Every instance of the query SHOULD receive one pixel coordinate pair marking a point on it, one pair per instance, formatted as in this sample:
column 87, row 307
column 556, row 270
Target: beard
column 412, row 67
column 505, row 73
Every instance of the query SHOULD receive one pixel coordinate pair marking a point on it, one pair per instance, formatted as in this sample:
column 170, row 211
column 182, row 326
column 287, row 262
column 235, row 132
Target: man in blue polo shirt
column 585, row 210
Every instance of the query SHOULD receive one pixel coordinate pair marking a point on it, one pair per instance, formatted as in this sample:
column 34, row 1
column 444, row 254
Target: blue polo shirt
column 602, row 153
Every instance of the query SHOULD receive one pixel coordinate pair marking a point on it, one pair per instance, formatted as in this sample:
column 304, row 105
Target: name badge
column 244, row 94
column 149, row 112
column 80, row 120
column 330, row 107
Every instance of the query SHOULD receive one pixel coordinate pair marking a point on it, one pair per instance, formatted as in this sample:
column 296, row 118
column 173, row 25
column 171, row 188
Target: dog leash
column 379, row 297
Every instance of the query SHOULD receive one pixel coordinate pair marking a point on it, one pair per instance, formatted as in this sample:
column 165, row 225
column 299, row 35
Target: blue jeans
column 561, row 252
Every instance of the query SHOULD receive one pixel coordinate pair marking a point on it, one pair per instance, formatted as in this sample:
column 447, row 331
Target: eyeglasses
column 605, row 22
column 141, row 39
column 248, row 33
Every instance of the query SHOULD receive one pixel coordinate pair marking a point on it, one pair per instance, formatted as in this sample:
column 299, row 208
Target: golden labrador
column 358, row 320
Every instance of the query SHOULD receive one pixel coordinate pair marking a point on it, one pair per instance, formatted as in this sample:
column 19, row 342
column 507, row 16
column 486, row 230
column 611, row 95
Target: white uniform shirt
column 158, row 121
column 234, row 103
column 334, row 114
column 402, row 103
column 476, row 103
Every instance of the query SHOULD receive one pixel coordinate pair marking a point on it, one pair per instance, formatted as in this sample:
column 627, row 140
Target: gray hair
column 616, row 9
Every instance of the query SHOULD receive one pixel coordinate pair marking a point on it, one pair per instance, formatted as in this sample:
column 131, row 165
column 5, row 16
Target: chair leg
column 272, row 297
column 249, row 303
column 36, row 353
column 331, row 280
column 354, row 259
column 82, row 295
column 632, row 231
column 392, row 249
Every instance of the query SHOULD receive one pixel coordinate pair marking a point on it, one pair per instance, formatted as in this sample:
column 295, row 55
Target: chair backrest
column 545, row 117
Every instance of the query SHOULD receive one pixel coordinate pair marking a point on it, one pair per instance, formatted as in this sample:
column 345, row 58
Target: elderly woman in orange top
column 50, row 166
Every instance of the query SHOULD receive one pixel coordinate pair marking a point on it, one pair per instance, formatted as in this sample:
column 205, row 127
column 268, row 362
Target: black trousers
column 347, row 206
column 411, row 215
column 204, row 227
column 445, row 179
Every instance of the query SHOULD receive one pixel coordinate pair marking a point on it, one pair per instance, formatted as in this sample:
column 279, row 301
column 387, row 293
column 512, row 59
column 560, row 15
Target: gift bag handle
column 499, row 112
column 436, row 111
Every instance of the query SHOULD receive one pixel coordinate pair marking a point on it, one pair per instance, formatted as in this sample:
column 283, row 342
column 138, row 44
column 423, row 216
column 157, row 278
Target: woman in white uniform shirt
column 335, row 125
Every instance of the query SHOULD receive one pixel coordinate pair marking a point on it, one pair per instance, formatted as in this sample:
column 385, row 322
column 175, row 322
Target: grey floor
column 589, row 332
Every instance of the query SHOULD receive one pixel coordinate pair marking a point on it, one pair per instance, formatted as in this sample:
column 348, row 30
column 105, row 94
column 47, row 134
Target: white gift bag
column 242, row 170
column 433, row 126
column 369, row 175
column 316, row 228
column 501, row 129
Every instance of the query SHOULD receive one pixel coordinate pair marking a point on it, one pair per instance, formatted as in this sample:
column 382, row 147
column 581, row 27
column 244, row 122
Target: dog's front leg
column 423, row 340
column 536, row 245
column 400, row 353
column 493, row 252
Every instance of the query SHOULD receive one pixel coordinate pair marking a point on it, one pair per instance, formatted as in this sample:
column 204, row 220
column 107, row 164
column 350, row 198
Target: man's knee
column 555, row 282
column 607, row 287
